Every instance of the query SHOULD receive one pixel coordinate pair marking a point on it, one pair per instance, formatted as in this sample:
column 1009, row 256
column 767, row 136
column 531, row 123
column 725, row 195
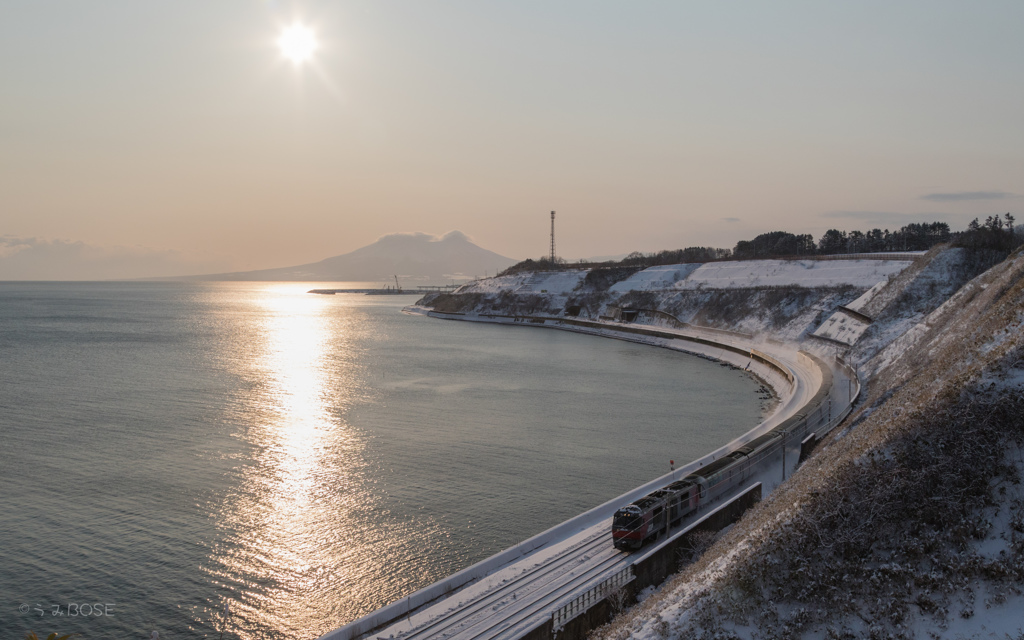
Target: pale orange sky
column 176, row 130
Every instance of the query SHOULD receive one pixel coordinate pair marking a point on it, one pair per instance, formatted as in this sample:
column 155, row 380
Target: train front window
column 628, row 521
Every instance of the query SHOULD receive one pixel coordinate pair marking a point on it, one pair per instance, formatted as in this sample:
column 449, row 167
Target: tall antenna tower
column 552, row 237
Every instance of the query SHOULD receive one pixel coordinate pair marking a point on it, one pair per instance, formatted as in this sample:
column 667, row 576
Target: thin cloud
column 863, row 215
column 419, row 235
column 894, row 219
column 46, row 259
column 455, row 235
column 731, row 219
column 968, row 196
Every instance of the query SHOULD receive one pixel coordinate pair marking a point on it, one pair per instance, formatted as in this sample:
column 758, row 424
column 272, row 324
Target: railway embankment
column 909, row 521
column 801, row 381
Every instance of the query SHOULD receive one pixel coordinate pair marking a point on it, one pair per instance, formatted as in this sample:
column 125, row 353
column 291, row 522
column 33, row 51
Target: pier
column 392, row 291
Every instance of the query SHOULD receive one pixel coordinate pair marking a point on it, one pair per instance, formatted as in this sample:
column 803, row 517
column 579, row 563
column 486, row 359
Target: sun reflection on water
column 294, row 524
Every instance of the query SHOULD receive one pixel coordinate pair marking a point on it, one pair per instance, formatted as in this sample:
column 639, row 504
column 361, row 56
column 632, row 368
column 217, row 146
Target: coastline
column 797, row 378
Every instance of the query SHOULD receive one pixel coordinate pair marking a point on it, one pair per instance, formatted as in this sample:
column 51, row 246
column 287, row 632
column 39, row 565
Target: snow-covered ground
column 842, row 327
column 554, row 283
column 712, row 275
column 655, row 278
column 847, row 328
column 861, row 302
column 792, row 273
column 543, row 282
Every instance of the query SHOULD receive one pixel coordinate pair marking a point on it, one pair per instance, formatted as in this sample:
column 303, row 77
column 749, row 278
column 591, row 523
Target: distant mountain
column 417, row 256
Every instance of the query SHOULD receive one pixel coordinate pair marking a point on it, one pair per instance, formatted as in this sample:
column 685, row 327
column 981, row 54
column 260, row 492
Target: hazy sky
column 175, row 134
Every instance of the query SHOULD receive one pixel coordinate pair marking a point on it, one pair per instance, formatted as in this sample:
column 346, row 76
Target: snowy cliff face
column 784, row 299
column 858, row 307
column 908, row 523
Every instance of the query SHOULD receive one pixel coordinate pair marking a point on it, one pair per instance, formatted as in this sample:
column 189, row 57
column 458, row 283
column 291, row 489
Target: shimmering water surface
column 165, row 448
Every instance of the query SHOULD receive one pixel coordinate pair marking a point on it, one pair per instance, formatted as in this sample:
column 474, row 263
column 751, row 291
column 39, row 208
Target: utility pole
column 552, row 237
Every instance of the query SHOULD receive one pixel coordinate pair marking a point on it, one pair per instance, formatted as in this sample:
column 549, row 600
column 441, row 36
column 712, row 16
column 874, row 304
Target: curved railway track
column 526, row 583
column 509, row 601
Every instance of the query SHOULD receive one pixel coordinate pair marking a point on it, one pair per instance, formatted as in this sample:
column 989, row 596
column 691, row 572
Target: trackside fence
column 574, row 619
column 590, row 597
column 817, row 420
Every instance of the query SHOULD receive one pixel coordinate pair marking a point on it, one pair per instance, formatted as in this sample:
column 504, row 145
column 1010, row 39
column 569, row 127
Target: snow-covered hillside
column 784, row 299
column 862, row 305
column 793, row 273
column 908, row 523
column 745, row 274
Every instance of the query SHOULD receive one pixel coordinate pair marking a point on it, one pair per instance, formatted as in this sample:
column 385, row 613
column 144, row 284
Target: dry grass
column 890, row 530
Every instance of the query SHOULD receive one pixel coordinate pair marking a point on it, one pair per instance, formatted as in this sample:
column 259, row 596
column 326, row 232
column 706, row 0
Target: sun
column 297, row 43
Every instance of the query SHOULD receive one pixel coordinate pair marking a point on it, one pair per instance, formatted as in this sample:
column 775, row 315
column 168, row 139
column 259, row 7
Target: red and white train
column 657, row 512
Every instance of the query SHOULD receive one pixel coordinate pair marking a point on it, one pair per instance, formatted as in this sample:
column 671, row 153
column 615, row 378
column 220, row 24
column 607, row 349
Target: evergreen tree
column 834, row 241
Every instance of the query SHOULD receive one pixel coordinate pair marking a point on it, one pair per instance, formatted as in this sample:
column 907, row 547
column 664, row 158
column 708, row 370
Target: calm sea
column 166, row 448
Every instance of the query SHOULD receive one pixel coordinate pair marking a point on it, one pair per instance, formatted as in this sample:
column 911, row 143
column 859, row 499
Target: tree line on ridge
column 996, row 233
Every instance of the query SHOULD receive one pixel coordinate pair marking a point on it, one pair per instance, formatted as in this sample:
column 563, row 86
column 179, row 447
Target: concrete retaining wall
column 543, row 632
column 658, row 564
column 652, row 568
column 597, row 615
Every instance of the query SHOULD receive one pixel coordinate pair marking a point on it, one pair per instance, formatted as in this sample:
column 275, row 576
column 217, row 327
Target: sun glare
column 297, row 43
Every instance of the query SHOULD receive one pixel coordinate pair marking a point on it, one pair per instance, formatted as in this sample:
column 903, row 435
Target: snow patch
column 842, row 327
column 494, row 285
column 542, row 282
column 793, row 273
column 559, row 283
column 655, row 278
column 859, row 303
